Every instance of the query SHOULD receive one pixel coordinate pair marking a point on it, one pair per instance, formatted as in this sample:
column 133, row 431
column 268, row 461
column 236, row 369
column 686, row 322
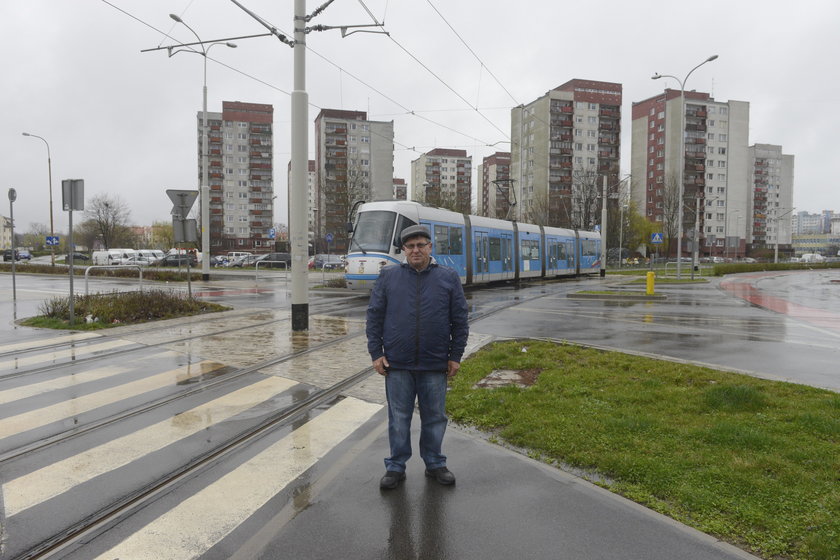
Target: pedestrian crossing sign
column 656, row 237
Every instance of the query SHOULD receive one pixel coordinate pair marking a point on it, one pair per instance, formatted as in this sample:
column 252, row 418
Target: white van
column 812, row 258
column 112, row 256
column 235, row 254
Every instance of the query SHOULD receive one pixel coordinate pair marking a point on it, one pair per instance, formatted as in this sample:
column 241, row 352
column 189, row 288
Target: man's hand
column 452, row 369
column 381, row 365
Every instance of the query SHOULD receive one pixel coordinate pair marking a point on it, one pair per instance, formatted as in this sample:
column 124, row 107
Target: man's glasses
column 414, row 246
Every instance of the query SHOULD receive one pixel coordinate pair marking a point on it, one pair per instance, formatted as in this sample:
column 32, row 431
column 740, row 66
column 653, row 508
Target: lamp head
column 26, row 134
column 711, row 58
column 231, row 45
column 176, row 18
column 656, row 76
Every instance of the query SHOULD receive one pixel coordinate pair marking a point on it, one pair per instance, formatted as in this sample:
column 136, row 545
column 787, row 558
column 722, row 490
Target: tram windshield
column 373, row 231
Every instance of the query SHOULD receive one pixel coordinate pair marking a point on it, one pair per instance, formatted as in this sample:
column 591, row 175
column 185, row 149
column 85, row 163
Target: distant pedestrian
column 417, row 332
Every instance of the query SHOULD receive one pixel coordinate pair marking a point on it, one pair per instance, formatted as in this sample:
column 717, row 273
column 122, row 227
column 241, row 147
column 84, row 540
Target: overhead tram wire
column 276, row 88
column 483, row 65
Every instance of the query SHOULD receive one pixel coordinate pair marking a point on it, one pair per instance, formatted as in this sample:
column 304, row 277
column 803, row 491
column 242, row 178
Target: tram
column 480, row 249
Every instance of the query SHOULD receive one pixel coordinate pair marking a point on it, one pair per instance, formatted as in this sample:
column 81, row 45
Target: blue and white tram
column 480, row 249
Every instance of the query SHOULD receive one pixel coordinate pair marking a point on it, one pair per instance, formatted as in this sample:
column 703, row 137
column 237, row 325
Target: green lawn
column 753, row 462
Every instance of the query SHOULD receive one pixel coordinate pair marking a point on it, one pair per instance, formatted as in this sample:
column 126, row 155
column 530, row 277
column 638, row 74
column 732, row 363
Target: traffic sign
column 656, row 238
column 182, row 200
column 272, row 233
column 52, row 240
column 329, row 238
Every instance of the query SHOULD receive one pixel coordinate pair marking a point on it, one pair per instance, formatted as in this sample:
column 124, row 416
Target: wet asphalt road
column 779, row 326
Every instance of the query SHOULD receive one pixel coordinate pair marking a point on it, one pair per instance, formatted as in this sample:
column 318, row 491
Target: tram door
column 507, row 256
column 482, row 256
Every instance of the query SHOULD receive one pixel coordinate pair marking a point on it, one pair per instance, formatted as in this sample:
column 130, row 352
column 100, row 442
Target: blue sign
column 52, row 240
column 272, row 233
column 329, row 238
column 656, row 238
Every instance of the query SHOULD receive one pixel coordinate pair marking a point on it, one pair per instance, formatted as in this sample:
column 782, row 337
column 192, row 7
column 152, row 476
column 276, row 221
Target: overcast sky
column 124, row 121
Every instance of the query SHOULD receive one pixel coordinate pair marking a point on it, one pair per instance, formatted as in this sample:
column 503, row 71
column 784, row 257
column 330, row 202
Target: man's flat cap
column 415, row 231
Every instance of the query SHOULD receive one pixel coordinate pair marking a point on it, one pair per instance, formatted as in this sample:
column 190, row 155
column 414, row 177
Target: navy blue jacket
column 417, row 320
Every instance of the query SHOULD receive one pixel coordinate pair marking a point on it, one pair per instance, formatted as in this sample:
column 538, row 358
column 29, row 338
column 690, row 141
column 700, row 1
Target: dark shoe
column 441, row 475
column 391, row 479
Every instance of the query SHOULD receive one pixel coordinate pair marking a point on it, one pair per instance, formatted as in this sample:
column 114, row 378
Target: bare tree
column 36, row 237
column 586, row 194
column 538, row 211
column 670, row 208
column 110, row 217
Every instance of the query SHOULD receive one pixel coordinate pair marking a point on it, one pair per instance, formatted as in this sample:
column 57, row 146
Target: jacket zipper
column 417, row 323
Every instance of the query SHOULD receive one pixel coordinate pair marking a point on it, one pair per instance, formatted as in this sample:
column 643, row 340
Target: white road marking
column 192, row 527
column 55, row 340
column 59, row 354
column 52, row 480
column 73, row 407
column 18, row 393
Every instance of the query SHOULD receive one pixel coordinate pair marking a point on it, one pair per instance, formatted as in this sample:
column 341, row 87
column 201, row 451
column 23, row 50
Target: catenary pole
column 300, row 159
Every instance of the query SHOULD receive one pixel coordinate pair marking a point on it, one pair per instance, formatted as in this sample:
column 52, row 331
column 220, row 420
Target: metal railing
column 285, row 269
column 118, row 266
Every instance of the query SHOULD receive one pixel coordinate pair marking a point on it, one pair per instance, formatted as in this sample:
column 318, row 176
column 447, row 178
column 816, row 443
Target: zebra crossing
column 56, row 488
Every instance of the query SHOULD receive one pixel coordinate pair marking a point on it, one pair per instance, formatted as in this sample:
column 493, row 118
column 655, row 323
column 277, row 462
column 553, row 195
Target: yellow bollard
column 650, row 276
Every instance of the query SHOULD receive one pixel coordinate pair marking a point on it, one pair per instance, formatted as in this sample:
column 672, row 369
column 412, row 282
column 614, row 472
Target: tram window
column 495, row 249
column 442, row 240
column 448, row 240
column 373, row 229
column 402, row 223
column 529, row 249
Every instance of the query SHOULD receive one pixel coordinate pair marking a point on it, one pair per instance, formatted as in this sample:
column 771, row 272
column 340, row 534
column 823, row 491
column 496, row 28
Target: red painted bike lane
column 744, row 287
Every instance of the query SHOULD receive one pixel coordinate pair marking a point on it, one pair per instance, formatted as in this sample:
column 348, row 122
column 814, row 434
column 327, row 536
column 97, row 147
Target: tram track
column 138, row 498
column 330, row 306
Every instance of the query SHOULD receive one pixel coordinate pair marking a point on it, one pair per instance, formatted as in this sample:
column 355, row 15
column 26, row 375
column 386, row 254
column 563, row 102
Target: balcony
column 609, row 113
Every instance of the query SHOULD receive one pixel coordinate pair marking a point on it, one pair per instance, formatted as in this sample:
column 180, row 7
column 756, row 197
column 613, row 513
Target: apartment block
column 240, row 174
column 495, row 193
column 565, row 144
column 443, row 177
column 354, row 161
column 772, row 198
column 714, row 164
column 400, row 189
column 311, row 221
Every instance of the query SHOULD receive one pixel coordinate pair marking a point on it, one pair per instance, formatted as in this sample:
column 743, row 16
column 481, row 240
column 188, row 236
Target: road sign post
column 183, row 230
column 73, row 198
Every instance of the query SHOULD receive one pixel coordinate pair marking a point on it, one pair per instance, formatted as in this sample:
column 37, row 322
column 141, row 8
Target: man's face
column 418, row 252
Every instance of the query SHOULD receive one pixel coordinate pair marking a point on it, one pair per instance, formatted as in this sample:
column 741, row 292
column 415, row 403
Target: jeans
column 401, row 388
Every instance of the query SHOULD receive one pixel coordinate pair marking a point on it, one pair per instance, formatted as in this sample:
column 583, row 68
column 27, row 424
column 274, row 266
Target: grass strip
column 750, row 461
column 99, row 311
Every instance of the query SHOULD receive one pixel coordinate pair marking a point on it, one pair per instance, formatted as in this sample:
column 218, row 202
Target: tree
column 36, row 237
column 85, row 234
column 586, row 194
column 162, row 236
column 110, row 215
column 670, row 209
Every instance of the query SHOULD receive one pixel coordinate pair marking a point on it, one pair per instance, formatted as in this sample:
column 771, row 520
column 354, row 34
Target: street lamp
column 205, row 187
column 681, row 186
column 623, row 207
column 49, row 172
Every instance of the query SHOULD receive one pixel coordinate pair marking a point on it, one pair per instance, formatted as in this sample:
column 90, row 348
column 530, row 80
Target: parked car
column 7, row 255
column 328, row 262
column 136, row 261
column 243, row 260
column 77, row 257
column 24, row 255
column 276, row 260
column 177, row 260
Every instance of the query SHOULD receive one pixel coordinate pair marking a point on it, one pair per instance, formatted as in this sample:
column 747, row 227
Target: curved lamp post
column 681, row 186
column 49, row 171
column 205, row 187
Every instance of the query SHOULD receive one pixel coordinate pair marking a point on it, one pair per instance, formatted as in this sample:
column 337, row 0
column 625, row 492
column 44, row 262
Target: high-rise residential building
column 5, row 233
column 443, row 177
column 311, row 221
column 240, row 176
column 495, row 195
column 714, row 164
column 354, row 161
column 806, row 223
column 772, row 198
column 400, row 189
column 564, row 145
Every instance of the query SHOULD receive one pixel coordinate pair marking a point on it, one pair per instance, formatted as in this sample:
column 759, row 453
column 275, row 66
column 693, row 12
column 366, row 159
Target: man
column 417, row 331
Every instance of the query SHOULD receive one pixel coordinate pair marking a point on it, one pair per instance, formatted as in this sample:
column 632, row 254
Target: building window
column 710, row 136
column 721, row 163
column 722, row 137
column 724, row 110
column 722, row 151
